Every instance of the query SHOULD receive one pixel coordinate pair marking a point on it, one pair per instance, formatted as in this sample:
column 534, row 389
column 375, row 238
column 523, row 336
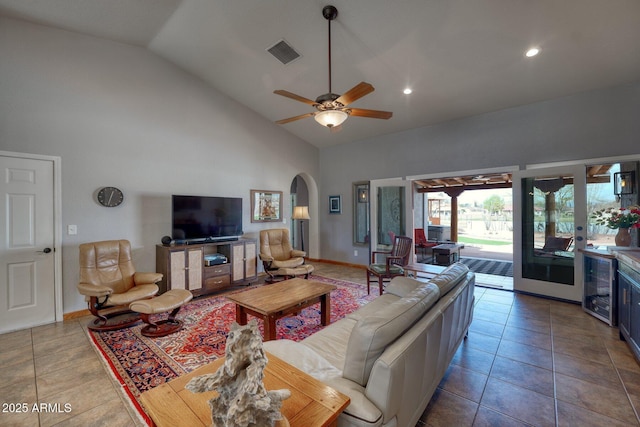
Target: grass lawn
column 464, row 239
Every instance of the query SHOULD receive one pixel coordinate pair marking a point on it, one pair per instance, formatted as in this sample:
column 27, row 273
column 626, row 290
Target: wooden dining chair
column 396, row 259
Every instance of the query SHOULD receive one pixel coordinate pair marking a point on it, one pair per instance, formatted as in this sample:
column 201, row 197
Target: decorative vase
column 623, row 238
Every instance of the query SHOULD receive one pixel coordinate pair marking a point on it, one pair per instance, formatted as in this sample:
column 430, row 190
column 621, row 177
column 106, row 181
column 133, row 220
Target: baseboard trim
column 76, row 314
column 346, row 264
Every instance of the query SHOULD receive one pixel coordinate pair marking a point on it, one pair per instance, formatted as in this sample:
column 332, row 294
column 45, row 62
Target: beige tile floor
column 527, row 361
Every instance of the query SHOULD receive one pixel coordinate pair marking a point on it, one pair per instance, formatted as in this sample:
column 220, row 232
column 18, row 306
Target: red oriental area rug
column 140, row 363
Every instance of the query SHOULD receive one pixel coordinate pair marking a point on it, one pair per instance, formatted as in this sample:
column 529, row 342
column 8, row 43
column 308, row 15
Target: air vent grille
column 283, row 52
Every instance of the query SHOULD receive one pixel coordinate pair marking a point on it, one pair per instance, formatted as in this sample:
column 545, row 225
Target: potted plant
column 621, row 219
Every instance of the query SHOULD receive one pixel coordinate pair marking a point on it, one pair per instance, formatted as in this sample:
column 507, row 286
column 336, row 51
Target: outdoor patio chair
column 552, row 245
column 421, row 242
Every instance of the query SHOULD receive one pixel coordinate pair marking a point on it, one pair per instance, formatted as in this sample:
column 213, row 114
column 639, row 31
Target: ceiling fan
column 332, row 108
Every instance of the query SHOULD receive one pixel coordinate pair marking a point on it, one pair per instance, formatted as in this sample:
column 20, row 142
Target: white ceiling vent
column 283, row 52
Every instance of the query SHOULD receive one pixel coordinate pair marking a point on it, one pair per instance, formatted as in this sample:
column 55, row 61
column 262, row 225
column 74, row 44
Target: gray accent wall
column 121, row 116
column 596, row 124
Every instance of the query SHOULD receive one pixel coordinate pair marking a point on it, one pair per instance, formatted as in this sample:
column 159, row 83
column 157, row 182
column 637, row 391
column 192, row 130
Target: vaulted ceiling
column 460, row 57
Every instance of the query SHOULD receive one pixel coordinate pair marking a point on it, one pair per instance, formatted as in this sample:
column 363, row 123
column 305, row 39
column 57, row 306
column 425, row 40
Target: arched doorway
column 304, row 192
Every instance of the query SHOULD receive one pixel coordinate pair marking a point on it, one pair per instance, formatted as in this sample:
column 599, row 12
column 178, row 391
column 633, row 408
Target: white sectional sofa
column 390, row 355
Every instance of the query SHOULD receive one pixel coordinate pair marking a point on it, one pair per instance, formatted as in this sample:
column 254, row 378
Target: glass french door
column 549, row 228
column 391, row 217
column 389, row 211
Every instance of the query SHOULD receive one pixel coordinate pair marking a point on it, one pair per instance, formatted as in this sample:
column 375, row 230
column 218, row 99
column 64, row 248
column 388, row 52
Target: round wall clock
column 110, row 197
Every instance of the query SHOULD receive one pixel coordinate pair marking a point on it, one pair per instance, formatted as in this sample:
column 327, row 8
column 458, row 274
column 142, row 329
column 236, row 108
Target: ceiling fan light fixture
column 331, row 118
column 532, row 52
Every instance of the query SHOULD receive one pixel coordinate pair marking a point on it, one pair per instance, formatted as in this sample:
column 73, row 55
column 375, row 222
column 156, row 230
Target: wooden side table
column 312, row 403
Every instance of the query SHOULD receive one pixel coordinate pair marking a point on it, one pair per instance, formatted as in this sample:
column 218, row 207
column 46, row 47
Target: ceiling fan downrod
column 330, row 13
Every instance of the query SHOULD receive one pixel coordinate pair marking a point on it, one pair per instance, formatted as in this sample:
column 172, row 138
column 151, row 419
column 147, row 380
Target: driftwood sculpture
column 242, row 400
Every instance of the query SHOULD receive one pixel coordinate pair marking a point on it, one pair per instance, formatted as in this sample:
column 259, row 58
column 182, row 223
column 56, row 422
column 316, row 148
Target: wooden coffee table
column 312, row 403
column 271, row 302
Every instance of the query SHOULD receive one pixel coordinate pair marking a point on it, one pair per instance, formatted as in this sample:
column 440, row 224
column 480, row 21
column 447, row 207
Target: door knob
column 45, row 251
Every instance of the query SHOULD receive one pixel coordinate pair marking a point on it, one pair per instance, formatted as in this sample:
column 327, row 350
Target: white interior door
column 549, row 208
column 27, row 266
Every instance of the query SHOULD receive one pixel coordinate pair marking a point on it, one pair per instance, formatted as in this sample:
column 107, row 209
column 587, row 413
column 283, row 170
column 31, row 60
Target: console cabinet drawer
column 217, row 270
column 216, row 282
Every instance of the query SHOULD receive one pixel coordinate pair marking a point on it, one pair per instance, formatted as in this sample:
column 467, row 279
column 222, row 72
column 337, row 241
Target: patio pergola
column 455, row 186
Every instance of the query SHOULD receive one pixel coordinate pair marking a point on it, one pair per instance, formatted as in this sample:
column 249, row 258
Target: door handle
column 44, row 251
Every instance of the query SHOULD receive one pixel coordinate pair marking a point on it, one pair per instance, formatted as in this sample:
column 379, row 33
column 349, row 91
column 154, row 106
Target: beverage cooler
column 600, row 298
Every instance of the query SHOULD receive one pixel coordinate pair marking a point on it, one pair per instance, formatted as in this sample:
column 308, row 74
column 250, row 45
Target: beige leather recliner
column 109, row 282
column 278, row 256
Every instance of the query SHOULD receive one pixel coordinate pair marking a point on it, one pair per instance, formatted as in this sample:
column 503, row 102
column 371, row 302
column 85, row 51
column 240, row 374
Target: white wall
column 589, row 125
column 119, row 115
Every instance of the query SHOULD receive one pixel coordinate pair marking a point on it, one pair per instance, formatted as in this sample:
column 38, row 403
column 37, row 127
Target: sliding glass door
column 549, row 227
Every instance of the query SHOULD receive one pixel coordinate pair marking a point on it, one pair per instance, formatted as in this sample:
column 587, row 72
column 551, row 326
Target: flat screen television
column 204, row 218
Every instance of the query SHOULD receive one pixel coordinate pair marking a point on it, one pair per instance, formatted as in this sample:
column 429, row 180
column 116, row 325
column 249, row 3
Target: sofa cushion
column 450, row 277
column 302, row 357
column 309, row 361
column 372, row 334
column 331, row 342
column 372, row 308
column 402, row 285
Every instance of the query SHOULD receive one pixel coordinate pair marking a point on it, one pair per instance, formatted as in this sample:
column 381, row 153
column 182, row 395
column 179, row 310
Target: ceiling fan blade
column 374, row 114
column 293, row 119
column 295, row 97
column 355, row 93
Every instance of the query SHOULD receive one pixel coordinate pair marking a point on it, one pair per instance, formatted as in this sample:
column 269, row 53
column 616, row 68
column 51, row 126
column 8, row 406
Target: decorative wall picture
column 335, row 204
column 266, row 206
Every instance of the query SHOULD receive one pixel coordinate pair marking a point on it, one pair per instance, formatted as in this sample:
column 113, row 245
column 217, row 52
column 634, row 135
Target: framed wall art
column 266, row 206
column 335, row 204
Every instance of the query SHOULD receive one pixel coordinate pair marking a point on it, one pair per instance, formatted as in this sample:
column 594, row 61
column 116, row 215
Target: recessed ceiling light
column 532, row 52
column 407, row 91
